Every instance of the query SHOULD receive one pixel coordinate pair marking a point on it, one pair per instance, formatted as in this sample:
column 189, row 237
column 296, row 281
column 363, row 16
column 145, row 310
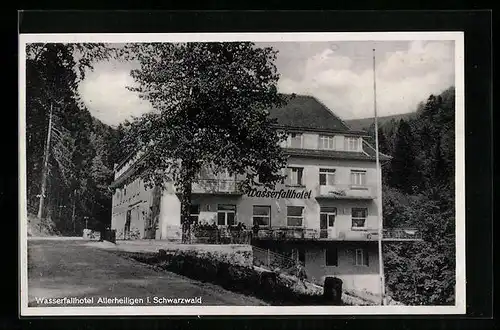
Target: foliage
column 422, row 273
column 80, row 165
column 404, row 173
column 210, row 102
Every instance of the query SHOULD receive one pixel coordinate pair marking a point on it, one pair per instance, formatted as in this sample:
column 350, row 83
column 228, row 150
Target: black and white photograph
column 264, row 173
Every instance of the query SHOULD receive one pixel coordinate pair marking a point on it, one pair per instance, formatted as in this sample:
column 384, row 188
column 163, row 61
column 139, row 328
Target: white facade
column 333, row 200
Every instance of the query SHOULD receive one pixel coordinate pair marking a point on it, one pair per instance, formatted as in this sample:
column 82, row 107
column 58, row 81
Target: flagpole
column 379, row 190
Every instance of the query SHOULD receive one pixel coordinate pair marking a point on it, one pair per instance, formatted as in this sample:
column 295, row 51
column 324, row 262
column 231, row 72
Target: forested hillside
column 80, row 164
column 366, row 123
column 419, row 191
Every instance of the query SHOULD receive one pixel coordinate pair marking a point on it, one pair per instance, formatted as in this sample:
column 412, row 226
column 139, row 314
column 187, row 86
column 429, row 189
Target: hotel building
column 324, row 213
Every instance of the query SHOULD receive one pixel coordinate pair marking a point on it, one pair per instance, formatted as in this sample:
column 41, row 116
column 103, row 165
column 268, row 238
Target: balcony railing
column 346, row 191
column 283, row 234
column 216, row 186
column 287, row 234
column 401, row 234
column 229, row 235
column 235, row 235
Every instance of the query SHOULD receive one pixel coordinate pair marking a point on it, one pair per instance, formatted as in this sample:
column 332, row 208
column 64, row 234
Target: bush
column 41, row 227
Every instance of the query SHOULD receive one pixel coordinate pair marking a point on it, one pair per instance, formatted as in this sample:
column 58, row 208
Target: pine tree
column 424, row 273
column 53, row 72
column 440, row 170
column 403, row 173
column 382, row 142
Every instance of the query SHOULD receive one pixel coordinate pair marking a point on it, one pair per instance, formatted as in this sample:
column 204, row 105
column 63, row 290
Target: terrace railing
column 402, row 234
column 222, row 235
column 236, row 235
column 287, row 233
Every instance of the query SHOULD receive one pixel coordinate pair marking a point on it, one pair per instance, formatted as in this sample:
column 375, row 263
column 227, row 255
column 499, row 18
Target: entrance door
column 327, row 221
column 127, row 224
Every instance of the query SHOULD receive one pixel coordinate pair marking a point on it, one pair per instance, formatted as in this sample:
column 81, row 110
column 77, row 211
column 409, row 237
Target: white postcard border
column 458, row 308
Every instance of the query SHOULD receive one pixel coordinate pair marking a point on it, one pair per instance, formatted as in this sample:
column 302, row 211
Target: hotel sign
column 289, row 193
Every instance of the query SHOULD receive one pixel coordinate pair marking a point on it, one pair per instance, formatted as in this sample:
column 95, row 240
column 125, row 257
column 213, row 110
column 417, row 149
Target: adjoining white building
column 326, row 208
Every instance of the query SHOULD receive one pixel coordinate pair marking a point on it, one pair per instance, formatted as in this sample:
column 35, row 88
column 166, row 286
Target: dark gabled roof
column 307, row 112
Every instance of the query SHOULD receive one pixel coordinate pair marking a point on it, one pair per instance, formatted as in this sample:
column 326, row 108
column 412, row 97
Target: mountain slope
column 364, row 123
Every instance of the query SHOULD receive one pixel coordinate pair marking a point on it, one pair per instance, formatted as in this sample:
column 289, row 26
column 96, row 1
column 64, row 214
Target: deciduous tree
column 211, row 104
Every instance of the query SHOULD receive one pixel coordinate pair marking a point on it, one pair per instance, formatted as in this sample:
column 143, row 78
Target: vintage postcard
column 242, row 174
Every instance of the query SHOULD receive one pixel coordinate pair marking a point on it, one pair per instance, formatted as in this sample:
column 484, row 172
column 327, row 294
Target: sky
column 339, row 74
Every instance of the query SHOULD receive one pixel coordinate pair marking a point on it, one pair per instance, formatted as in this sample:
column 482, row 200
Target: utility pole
column 73, row 214
column 45, row 166
column 379, row 190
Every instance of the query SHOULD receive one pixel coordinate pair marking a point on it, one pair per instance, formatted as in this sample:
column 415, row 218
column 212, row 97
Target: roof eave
column 322, row 130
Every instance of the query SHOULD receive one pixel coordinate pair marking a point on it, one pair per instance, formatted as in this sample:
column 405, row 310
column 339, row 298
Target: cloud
column 404, row 78
column 340, row 75
column 105, row 94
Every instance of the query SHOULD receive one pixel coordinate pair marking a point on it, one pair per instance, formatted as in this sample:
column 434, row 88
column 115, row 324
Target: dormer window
column 327, row 142
column 352, row 143
column 294, row 140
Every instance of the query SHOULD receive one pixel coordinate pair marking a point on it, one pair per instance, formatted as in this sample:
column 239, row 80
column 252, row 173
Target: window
column 358, row 216
column 294, row 216
column 262, row 215
column 327, row 215
column 326, row 142
column 361, row 258
column 351, row 143
column 226, row 214
column 194, row 213
column 294, row 140
column 331, row 257
column 326, row 176
column 294, row 176
column 358, row 178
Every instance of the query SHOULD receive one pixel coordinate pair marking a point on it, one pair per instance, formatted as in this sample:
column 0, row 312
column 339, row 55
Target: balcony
column 346, row 191
column 401, row 234
column 216, row 187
